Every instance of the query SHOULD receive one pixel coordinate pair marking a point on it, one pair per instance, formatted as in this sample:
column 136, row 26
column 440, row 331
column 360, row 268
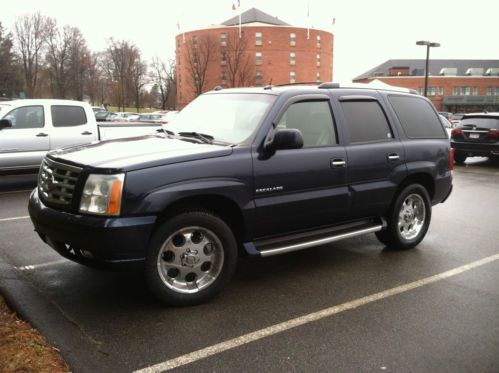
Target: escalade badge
column 270, row 189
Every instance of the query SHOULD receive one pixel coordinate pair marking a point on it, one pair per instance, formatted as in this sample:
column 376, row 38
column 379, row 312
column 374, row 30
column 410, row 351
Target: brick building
column 453, row 85
column 268, row 50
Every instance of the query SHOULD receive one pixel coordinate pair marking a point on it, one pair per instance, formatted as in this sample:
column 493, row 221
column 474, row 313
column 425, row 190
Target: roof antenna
column 269, row 86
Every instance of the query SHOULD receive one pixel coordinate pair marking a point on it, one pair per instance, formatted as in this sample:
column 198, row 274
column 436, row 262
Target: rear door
column 303, row 188
column 71, row 126
column 24, row 145
column 375, row 154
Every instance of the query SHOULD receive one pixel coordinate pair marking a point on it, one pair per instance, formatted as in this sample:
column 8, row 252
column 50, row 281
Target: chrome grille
column 57, row 181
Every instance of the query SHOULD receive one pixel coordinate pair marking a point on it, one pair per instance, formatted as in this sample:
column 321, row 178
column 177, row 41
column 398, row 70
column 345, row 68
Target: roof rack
column 329, row 85
column 299, row 83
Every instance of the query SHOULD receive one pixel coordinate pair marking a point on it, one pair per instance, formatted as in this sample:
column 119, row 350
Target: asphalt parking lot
column 349, row 306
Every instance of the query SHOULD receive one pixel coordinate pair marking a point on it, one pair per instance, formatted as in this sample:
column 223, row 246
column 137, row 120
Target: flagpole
column 308, row 20
column 239, row 6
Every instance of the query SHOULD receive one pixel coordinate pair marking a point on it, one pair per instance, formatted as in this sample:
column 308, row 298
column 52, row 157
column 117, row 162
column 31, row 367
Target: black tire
column 412, row 198
column 190, row 258
column 459, row 157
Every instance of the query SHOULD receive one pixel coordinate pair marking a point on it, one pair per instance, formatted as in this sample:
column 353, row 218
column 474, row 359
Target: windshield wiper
column 208, row 139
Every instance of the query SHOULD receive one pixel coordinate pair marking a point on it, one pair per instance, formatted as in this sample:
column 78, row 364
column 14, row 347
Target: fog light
column 87, row 254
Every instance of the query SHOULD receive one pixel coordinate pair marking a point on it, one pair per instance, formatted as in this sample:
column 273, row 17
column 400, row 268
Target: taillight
column 456, row 131
column 494, row 133
column 451, row 156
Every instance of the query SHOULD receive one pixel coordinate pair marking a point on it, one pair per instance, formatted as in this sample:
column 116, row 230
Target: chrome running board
column 276, row 246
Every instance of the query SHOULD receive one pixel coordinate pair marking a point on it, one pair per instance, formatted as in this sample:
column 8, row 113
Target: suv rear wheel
column 191, row 257
column 408, row 220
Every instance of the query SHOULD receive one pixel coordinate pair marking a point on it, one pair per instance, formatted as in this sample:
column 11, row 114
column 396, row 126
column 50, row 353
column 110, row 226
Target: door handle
column 393, row 156
column 86, row 133
column 338, row 162
column 42, row 134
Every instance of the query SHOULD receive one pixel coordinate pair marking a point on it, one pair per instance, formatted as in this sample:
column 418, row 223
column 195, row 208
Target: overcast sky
column 367, row 32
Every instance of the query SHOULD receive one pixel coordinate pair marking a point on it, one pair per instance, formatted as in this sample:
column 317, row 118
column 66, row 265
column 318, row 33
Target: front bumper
column 94, row 241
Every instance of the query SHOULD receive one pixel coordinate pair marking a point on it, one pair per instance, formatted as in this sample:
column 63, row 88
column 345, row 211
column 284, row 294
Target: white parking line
column 302, row 320
column 31, row 267
column 16, row 218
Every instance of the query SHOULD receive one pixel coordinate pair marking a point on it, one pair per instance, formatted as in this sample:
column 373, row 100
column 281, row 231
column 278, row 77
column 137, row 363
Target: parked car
column 30, row 128
column 446, row 114
column 455, row 119
column 150, row 118
column 447, row 125
column 98, row 109
column 104, row 116
column 278, row 169
column 169, row 117
column 122, row 116
column 476, row 135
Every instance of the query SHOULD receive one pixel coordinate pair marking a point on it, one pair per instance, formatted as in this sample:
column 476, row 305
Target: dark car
column 476, row 135
column 104, row 116
column 278, row 169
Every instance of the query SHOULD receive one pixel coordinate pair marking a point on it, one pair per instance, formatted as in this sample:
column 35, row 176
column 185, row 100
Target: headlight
column 102, row 194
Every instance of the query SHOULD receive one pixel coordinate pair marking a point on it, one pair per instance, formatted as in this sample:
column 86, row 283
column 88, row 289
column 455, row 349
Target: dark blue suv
column 255, row 172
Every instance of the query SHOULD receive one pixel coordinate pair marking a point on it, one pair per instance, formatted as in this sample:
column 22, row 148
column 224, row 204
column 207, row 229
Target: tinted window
column 483, row 122
column 67, row 116
column 366, row 121
column 313, row 119
column 26, row 117
column 417, row 117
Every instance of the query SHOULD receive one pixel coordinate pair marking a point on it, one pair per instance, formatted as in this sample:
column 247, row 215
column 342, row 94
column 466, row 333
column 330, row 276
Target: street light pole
column 428, row 45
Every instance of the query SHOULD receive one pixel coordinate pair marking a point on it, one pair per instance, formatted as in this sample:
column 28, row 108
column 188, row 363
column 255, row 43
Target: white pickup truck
column 30, row 128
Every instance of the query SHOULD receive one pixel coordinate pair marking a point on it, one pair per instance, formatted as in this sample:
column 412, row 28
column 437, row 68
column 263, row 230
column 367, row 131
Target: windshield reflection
column 230, row 117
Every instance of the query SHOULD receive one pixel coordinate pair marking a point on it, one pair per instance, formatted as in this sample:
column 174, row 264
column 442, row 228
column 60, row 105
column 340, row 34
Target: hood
column 139, row 152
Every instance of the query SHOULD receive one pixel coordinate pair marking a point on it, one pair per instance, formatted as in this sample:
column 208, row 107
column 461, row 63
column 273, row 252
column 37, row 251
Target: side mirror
column 287, row 138
column 5, row 123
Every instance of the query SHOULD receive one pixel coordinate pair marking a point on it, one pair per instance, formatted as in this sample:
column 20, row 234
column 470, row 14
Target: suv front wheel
column 191, row 257
column 408, row 219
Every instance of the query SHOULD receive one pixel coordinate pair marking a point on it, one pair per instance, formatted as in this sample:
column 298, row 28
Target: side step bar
column 293, row 243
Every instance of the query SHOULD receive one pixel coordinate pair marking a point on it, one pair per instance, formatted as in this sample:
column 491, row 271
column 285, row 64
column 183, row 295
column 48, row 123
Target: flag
column 235, row 4
column 178, row 25
column 334, row 21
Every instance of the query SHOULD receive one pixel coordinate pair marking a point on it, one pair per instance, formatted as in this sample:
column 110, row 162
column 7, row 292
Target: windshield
column 490, row 123
column 230, row 117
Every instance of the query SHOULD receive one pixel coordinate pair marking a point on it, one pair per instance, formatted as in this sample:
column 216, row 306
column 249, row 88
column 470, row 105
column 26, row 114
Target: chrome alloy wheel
column 411, row 216
column 190, row 260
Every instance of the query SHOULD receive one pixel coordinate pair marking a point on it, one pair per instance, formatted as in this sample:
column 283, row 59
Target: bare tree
column 240, row 70
column 57, row 58
column 95, row 81
column 10, row 80
column 31, row 33
column 138, row 71
column 119, row 63
column 79, row 60
column 163, row 75
column 199, row 52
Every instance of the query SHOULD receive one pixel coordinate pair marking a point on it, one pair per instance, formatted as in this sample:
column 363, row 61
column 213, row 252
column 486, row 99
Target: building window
column 223, row 58
column 431, row 91
column 465, row 91
column 318, row 76
column 318, row 41
column 474, row 92
column 292, row 77
column 490, row 91
column 441, row 91
column 258, row 58
column 223, row 76
column 258, row 38
column 258, row 78
column 292, row 58
column 292, row 39
column 318, row 59
column 223, row 39
column 455, row 91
